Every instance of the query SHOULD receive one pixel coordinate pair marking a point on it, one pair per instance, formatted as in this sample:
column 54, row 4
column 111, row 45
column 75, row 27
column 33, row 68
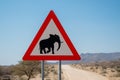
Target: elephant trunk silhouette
column 59, row 44
column 47, row 45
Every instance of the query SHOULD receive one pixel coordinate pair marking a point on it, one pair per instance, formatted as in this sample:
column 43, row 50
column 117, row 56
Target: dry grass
column 50, row 73
column 109, row 69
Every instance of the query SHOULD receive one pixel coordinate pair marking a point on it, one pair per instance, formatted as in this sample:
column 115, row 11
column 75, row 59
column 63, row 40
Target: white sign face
column 51, row 43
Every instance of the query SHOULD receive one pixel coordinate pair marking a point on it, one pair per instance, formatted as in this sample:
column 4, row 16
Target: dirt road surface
column 71, row 73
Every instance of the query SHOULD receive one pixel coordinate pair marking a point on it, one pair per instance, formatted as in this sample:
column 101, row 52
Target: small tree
column 5, row 70
column 27, row 68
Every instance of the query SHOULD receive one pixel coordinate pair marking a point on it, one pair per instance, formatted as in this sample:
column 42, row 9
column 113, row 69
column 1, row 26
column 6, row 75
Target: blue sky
column 92, row 25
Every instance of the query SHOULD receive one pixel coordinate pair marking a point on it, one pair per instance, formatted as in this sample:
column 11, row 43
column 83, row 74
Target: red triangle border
column 52, row 16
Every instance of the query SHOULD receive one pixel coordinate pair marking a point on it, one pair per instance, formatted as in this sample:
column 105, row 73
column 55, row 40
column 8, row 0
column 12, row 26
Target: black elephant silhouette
column 47, row 45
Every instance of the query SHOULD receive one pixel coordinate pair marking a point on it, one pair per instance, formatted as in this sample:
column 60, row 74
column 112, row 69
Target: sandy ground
column 36, row 78
column 71, row 73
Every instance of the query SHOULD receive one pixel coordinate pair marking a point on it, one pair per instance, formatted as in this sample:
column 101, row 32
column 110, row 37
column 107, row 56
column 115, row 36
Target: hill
column 99, row 57
column 95, row 57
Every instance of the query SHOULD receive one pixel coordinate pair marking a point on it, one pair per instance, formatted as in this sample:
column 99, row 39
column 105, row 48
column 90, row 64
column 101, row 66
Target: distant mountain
column 99, row 57
column 95, row 57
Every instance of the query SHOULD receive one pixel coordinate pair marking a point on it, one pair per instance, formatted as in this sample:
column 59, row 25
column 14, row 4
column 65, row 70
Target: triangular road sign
column 51, row 42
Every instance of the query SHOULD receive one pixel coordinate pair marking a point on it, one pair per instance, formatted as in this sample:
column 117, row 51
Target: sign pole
column 59, row 70
column 42, row 69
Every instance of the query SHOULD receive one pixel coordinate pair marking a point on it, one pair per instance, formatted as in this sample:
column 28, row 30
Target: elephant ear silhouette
column 47, row 45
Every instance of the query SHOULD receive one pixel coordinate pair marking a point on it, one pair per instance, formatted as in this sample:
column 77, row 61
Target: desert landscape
column 91, row 67
column 91, row 71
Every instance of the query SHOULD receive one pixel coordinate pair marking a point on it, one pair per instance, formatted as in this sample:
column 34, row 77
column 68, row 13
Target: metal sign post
column 42, row 69
column 59, row 70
